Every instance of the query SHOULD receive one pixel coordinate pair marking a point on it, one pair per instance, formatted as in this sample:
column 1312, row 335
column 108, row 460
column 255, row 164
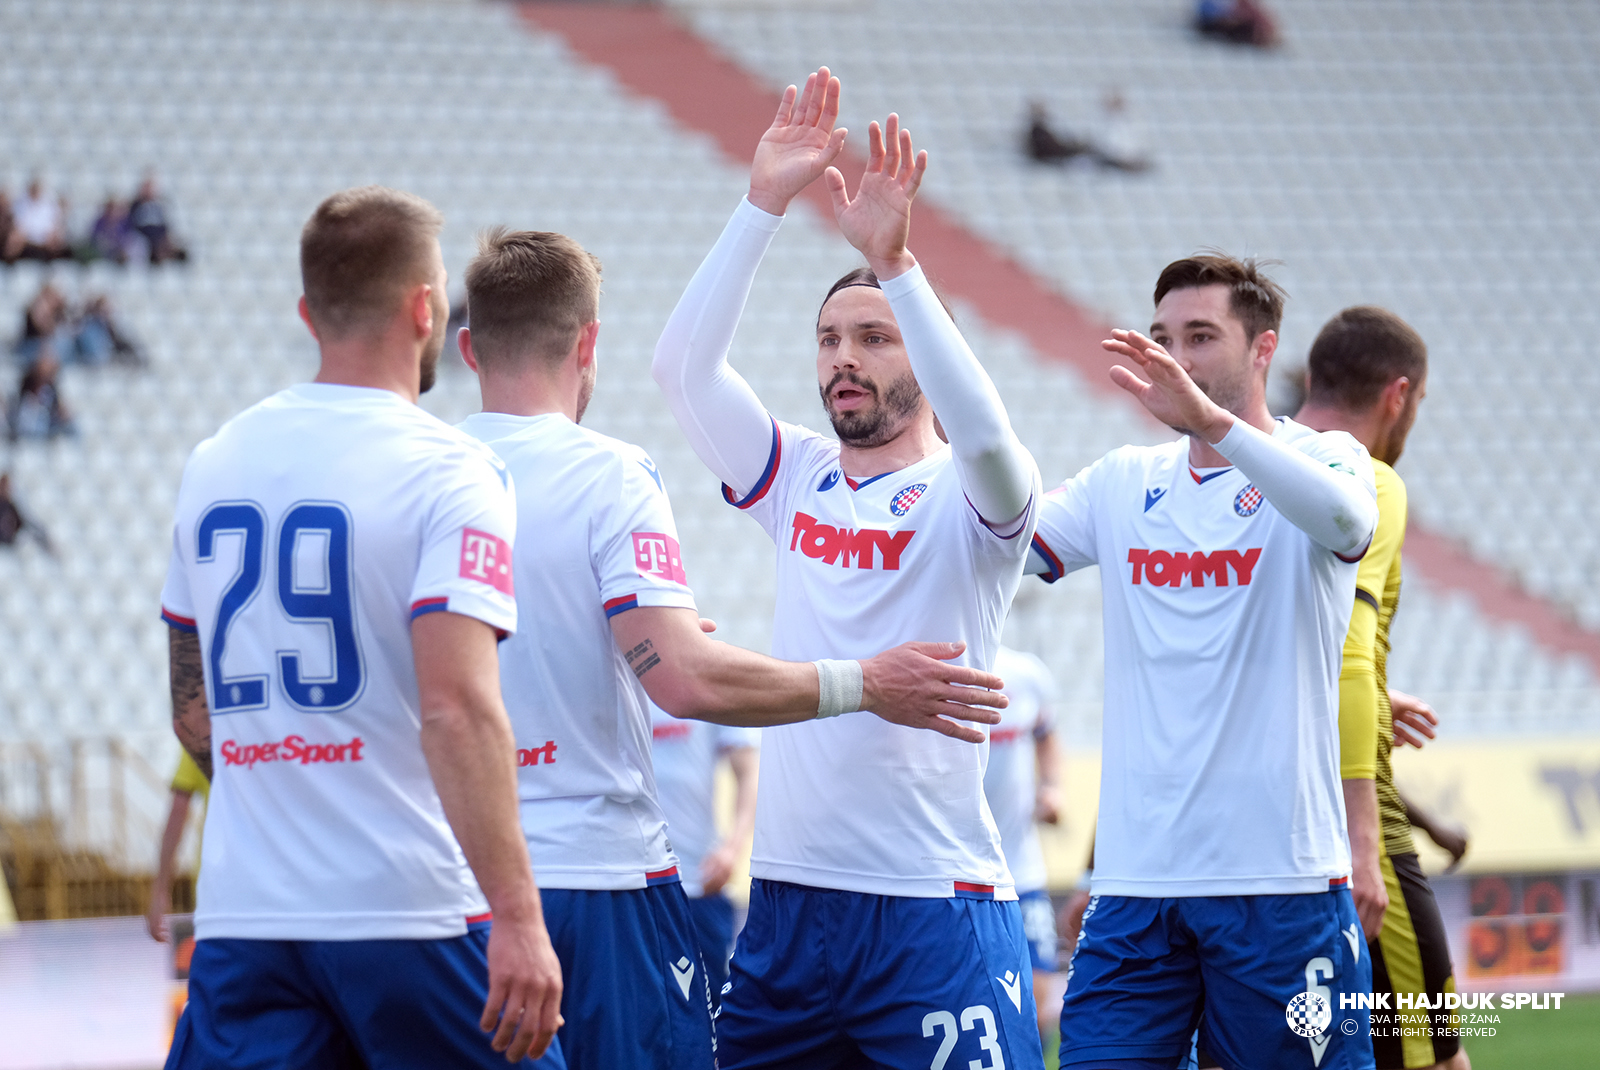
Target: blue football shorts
column 636, row 991
column 1266, row 970
column 340, row 1005
column 837, row 980
column 713, row 927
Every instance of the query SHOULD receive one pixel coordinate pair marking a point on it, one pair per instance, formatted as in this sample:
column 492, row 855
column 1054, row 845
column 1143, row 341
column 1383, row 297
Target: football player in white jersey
column 1228, row 564
column 687, row 755
column 1022, row 786
column 608, row 617
column 883, row 925
column 341, row 571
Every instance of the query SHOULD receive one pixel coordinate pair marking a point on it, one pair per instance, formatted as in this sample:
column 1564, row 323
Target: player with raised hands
column 1228, row 566
column 883, row 924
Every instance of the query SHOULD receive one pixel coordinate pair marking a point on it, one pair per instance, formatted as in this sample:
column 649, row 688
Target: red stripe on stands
column 654, row 54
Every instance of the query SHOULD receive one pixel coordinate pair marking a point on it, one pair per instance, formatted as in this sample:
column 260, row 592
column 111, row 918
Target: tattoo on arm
column 643, row 658
column 191, row 719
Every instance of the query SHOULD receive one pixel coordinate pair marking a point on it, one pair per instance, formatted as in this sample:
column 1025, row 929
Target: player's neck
column 1203, row 455
column 1363, row 426
column 917, row 441
column 364, row 362
column 529, row 394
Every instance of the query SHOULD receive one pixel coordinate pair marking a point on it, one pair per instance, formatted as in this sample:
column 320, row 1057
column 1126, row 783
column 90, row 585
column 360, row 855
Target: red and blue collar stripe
column 1050, row 559
column 183, row 624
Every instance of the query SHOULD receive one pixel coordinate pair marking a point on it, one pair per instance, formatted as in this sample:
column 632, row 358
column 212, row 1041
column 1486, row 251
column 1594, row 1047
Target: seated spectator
column 41, row 225
column 1046, row 146
column 13, row 524
column 37, row 412
column 97, row 336
column 1243, row 22
column 109, row 236
column 10, row 240
column 148, row 216
column 44, row 326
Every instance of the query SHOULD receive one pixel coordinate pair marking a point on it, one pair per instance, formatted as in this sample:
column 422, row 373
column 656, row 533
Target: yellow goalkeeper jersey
column 1366, row 723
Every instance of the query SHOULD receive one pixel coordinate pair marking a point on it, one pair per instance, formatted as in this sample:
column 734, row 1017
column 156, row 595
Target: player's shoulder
column 1137, row 463
column 1334, row 446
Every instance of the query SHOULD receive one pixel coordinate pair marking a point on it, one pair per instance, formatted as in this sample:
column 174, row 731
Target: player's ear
column 305, row 316
column 588, row 335
column 464, row 346
column 1265, row 345
column 422, row 310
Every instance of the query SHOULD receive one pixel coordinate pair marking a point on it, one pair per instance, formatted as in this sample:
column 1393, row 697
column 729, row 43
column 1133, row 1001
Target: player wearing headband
column 883, row 922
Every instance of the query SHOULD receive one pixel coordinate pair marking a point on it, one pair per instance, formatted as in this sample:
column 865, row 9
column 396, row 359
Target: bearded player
column 1228, row 564
column 883, row 925
column 609, row 619
column 1367, row 374
column 340, row 577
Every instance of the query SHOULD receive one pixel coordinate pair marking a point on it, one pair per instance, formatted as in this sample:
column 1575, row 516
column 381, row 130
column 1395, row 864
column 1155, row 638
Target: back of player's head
column 1360, row 352
column 1253, row 297
column 360, row 251
column 529, row 292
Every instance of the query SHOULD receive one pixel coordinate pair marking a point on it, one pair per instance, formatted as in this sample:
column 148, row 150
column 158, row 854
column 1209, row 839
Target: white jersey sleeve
column 465, row 565
column 636, row 553
column 177, row 603
column 1065, row 538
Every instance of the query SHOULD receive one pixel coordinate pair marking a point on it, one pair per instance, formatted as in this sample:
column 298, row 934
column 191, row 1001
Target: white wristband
column 839, row 685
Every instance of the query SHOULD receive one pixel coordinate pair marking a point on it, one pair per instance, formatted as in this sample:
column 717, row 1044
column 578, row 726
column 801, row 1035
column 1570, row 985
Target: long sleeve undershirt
column 731, row 431
column 1334, row 508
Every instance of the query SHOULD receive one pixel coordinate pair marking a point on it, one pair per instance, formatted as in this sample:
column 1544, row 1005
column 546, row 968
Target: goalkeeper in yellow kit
column 1367, row 374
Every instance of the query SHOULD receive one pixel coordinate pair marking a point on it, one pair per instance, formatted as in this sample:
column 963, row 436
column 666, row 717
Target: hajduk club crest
column 902, row 502
column 1247, row 501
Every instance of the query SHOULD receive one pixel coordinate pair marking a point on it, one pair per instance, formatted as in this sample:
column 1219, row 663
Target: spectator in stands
column 10, row 240
column 37, row 411
column 97, row 337
column 44, row 325
column 14, row 523
column 40, row 229
column 148, row 216
column 109, row 236
column 1243, row 22
column 187, row 782
column 1047, row 146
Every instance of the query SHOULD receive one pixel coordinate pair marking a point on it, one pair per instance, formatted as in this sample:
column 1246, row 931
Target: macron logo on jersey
column 655, row 554
column 487, row 559
column 1161, row 568
column 839, row 545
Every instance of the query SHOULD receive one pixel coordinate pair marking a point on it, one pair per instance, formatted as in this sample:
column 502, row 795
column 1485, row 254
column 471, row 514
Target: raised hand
column 878, row 220
column 799, row 144
column 914, row 685
column 1167, row 391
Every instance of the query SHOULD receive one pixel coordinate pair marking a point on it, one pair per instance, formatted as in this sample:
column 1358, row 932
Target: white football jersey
column 310, row 531
column 599, row 539
column 1224, row 631
column 1011, row 782
column 853, row 802
column 686, row 754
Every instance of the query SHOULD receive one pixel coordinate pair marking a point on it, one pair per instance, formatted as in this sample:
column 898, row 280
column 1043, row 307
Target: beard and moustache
column 435, row 346
column 1231, row 391
column 877, row 424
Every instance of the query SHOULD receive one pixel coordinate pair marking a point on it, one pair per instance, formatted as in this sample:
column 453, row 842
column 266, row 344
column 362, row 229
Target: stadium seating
column 1416, row 186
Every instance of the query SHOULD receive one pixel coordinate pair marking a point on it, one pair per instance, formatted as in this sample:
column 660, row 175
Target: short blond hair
column 360, row 251
column 529, row 293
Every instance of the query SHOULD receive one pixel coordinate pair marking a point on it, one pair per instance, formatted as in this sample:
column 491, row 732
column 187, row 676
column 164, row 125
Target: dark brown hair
column 359, row 252
column 1360, row 352
column 1254, row 298
column 530, row 292
column 865, row 276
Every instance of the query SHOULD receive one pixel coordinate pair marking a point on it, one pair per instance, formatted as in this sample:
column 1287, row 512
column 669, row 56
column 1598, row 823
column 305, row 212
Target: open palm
column 878, row 220
column 799, row 145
